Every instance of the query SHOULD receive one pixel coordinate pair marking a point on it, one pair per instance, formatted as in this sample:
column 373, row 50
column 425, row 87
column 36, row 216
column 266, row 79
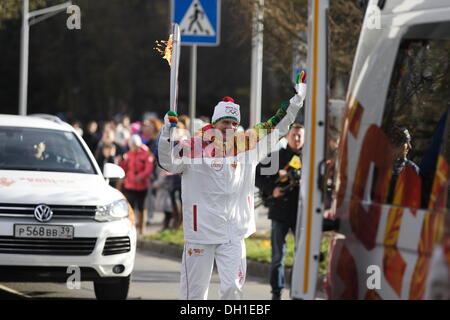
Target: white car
column 59, row 218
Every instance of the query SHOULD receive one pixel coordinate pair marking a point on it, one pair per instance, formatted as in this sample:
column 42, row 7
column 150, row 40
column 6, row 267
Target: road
column 154, row 278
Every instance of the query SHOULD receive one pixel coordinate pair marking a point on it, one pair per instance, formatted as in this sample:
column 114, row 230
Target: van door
column 393, row 181
column 309, row 219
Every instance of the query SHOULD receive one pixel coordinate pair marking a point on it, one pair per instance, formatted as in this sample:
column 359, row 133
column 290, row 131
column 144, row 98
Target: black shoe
column 276, row 296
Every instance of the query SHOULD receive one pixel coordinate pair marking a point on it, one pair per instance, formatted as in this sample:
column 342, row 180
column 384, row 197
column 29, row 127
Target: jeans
column 278, row 238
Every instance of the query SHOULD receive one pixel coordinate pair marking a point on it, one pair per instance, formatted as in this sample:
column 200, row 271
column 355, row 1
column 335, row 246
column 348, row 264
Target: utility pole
column 24, row 59
column 257, row 64
column 193, row 88
column 35, row 16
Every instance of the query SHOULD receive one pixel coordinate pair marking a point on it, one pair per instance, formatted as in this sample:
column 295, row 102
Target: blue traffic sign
column 199, row 21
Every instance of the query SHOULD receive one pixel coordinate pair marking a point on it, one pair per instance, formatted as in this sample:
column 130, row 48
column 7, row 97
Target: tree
column 11, row 9
column 110, row 67
column 285, row 30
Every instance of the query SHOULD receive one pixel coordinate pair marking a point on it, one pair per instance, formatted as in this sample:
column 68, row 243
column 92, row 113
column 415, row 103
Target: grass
column 258, row 246
column 173, row 236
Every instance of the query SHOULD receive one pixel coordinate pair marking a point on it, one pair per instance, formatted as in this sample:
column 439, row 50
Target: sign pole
column 199, row 22
column 193, row 87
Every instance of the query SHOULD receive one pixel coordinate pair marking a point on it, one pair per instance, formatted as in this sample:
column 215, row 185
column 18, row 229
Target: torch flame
column 165, row 49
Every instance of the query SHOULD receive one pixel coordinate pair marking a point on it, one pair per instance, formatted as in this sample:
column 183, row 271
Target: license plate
column 43, row 231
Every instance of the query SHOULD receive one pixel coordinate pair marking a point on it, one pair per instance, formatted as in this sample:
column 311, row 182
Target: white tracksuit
column 218, row 209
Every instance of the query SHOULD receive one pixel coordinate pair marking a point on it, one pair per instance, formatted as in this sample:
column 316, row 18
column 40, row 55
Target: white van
column 58, row 215
column 390, row 187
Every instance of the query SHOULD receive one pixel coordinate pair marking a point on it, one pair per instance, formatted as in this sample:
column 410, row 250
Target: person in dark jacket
column 107, row 155
column 92, row 136
column 281, row 192
column 400, row 139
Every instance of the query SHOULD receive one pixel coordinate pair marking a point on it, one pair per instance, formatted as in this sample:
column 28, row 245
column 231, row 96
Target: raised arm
column 269, row 132
column 168, row 157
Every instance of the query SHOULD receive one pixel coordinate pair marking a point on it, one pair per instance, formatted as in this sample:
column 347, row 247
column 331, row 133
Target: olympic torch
column 175, row 61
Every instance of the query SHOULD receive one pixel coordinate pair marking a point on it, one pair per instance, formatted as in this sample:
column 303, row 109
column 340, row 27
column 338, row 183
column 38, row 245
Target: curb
column 254, row 268
column 162, row 248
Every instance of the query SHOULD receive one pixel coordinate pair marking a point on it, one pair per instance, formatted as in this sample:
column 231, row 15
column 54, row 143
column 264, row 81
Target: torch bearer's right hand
column 170, row 119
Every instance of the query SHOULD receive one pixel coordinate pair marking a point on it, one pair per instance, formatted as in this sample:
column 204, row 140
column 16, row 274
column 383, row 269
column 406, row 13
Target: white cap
column 135, row 140
column 226, row 109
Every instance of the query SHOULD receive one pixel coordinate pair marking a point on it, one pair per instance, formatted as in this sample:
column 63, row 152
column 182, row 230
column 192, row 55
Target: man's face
column 296, row 138
column 402, row 150
column 148, row 129
column 226, row 126
column 108, row 136
column 93, row 127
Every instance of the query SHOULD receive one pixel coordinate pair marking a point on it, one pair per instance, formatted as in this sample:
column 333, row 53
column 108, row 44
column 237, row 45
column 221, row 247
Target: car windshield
column 36, row 149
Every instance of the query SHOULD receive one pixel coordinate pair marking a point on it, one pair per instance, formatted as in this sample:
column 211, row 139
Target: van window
column 416, row 115
column 334, row 120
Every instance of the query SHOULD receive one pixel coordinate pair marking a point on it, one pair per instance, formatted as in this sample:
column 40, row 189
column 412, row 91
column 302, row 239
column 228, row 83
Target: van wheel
column 115, row 289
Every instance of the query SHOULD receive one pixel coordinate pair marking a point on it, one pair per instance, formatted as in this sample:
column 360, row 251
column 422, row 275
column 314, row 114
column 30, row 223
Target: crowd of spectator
column 134, row 147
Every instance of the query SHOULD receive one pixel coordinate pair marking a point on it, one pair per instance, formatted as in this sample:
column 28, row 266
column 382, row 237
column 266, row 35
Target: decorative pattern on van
column 432, row 229
column 447, row 251
column 346, row 269
column 405, row 275
column 428, row 238
column 438, row 197
column 355, row 116
column 364, row 223
column 372, row 295
column 394, row 265
column 407, row 194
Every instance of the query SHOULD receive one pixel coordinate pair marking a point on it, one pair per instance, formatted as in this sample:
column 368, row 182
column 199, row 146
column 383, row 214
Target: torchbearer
column 217, row 191
column 170, row 50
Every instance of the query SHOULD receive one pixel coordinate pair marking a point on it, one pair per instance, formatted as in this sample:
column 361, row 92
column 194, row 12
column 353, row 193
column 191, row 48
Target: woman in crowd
column 138, row 166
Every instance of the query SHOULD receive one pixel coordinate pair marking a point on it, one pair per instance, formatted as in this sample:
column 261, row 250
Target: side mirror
column 113, row 171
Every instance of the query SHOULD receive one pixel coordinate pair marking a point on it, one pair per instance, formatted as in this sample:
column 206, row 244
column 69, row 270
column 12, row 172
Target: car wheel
column 116, row 289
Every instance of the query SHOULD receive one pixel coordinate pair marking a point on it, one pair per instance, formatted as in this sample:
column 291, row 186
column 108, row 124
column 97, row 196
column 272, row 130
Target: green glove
column 171, row 119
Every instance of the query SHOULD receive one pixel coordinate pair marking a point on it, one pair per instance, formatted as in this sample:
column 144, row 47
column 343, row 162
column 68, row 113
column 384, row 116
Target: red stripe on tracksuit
column 185, row 270
column 195, row 217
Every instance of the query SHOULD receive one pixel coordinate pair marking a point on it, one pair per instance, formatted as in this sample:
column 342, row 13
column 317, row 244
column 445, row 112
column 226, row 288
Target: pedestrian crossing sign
column 199, row 21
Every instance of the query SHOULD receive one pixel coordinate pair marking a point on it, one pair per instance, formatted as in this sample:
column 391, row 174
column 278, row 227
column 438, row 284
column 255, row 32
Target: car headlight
column 113, row 211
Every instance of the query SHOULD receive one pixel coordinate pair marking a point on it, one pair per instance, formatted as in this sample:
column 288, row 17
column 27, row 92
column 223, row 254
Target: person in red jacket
column 138, row 166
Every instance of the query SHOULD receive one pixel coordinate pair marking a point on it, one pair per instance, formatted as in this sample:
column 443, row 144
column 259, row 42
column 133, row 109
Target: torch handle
column 174, row 67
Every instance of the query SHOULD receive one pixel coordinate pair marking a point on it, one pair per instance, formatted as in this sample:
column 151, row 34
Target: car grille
column 59, row 211
column 116, row 245
column 63, row 247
